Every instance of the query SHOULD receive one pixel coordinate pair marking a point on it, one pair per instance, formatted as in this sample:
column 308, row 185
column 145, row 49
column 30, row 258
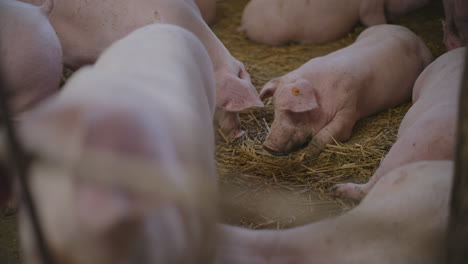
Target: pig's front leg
column 339, row 129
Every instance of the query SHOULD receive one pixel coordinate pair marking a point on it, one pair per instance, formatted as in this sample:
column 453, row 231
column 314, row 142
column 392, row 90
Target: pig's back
column 389, row 58
column 435, row 93
column 164, row 54
column 442, row 77
column 87, row 27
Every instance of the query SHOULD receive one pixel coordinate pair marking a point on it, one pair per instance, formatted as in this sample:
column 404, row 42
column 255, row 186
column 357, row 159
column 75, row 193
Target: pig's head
column 90, row 213
column 296, row 113
column 234, row 93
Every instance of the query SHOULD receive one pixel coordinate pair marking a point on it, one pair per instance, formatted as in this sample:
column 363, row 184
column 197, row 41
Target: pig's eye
column 297, row 117
column 303, row 118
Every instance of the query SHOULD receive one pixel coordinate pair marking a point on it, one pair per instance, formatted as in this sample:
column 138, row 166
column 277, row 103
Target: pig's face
column 290, row 131
column 297, row 115
column 228, row 123
column 234, row 93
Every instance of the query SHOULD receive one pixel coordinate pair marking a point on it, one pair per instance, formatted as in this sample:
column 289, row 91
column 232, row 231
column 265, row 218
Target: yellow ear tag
column 295, row 90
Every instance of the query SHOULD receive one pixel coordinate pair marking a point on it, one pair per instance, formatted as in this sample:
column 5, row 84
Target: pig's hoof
column 239, row 134
column 349, row 191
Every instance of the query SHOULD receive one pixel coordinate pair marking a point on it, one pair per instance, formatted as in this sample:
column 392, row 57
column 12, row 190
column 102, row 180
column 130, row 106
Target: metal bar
column 21, row 162
column 457, row 238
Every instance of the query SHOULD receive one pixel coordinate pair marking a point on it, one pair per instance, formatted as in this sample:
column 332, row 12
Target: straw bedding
column 265, row 191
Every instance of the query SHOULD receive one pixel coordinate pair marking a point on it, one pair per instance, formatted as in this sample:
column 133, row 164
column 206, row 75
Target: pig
column 403, row 220
column 30, row 53
column 316, row 21
column 455, row 24
column 86, row 28
column 427, row 132
column 125, row 169
column 325, row 97
column 30, row 66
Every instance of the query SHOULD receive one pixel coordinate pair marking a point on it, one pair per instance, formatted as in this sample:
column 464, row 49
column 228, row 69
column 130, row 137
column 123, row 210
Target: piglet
column 456, row 23
column 30, row 53
column 403, row 220
column 427, row 132
column 276, row 22
column 86, row 28
column 125, row 170
column 325, row 97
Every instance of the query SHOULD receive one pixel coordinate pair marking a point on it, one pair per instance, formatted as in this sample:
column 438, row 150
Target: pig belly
column 430, row 137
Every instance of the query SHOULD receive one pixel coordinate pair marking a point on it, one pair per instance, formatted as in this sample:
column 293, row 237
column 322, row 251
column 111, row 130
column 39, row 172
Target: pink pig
column 403, row 220
column 126, row 169
column 86, row 28
column 325, row 97
column 30, row 53
column 276, row 22
column 427, row 131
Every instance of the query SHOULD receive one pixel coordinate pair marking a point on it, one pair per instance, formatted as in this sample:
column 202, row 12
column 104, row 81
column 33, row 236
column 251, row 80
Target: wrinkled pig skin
column 30, row 53
column 403, row 220
column 325, row 97
column 85, row 28
column 277, row 22
column 149, row 100
column 456, row 23
column 427, row 132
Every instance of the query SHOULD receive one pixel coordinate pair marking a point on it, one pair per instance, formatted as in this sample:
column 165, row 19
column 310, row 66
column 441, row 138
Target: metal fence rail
column 20, row 161
column 457, row 238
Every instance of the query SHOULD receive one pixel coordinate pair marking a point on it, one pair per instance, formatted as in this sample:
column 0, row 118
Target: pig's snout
column 272, row 149
column 229, row 124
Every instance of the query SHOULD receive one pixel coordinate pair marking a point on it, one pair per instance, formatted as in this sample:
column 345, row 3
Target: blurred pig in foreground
column 276, row 22
column 403, row 220
column 86, row 28
column 126, row 170
column 323, row 99
column 427, row 132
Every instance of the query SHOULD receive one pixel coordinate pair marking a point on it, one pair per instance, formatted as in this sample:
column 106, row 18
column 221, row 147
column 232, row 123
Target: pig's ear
column 100, row 208
column 372, row 12
column 235, row 94
column 269, row 89
column 300, row 97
